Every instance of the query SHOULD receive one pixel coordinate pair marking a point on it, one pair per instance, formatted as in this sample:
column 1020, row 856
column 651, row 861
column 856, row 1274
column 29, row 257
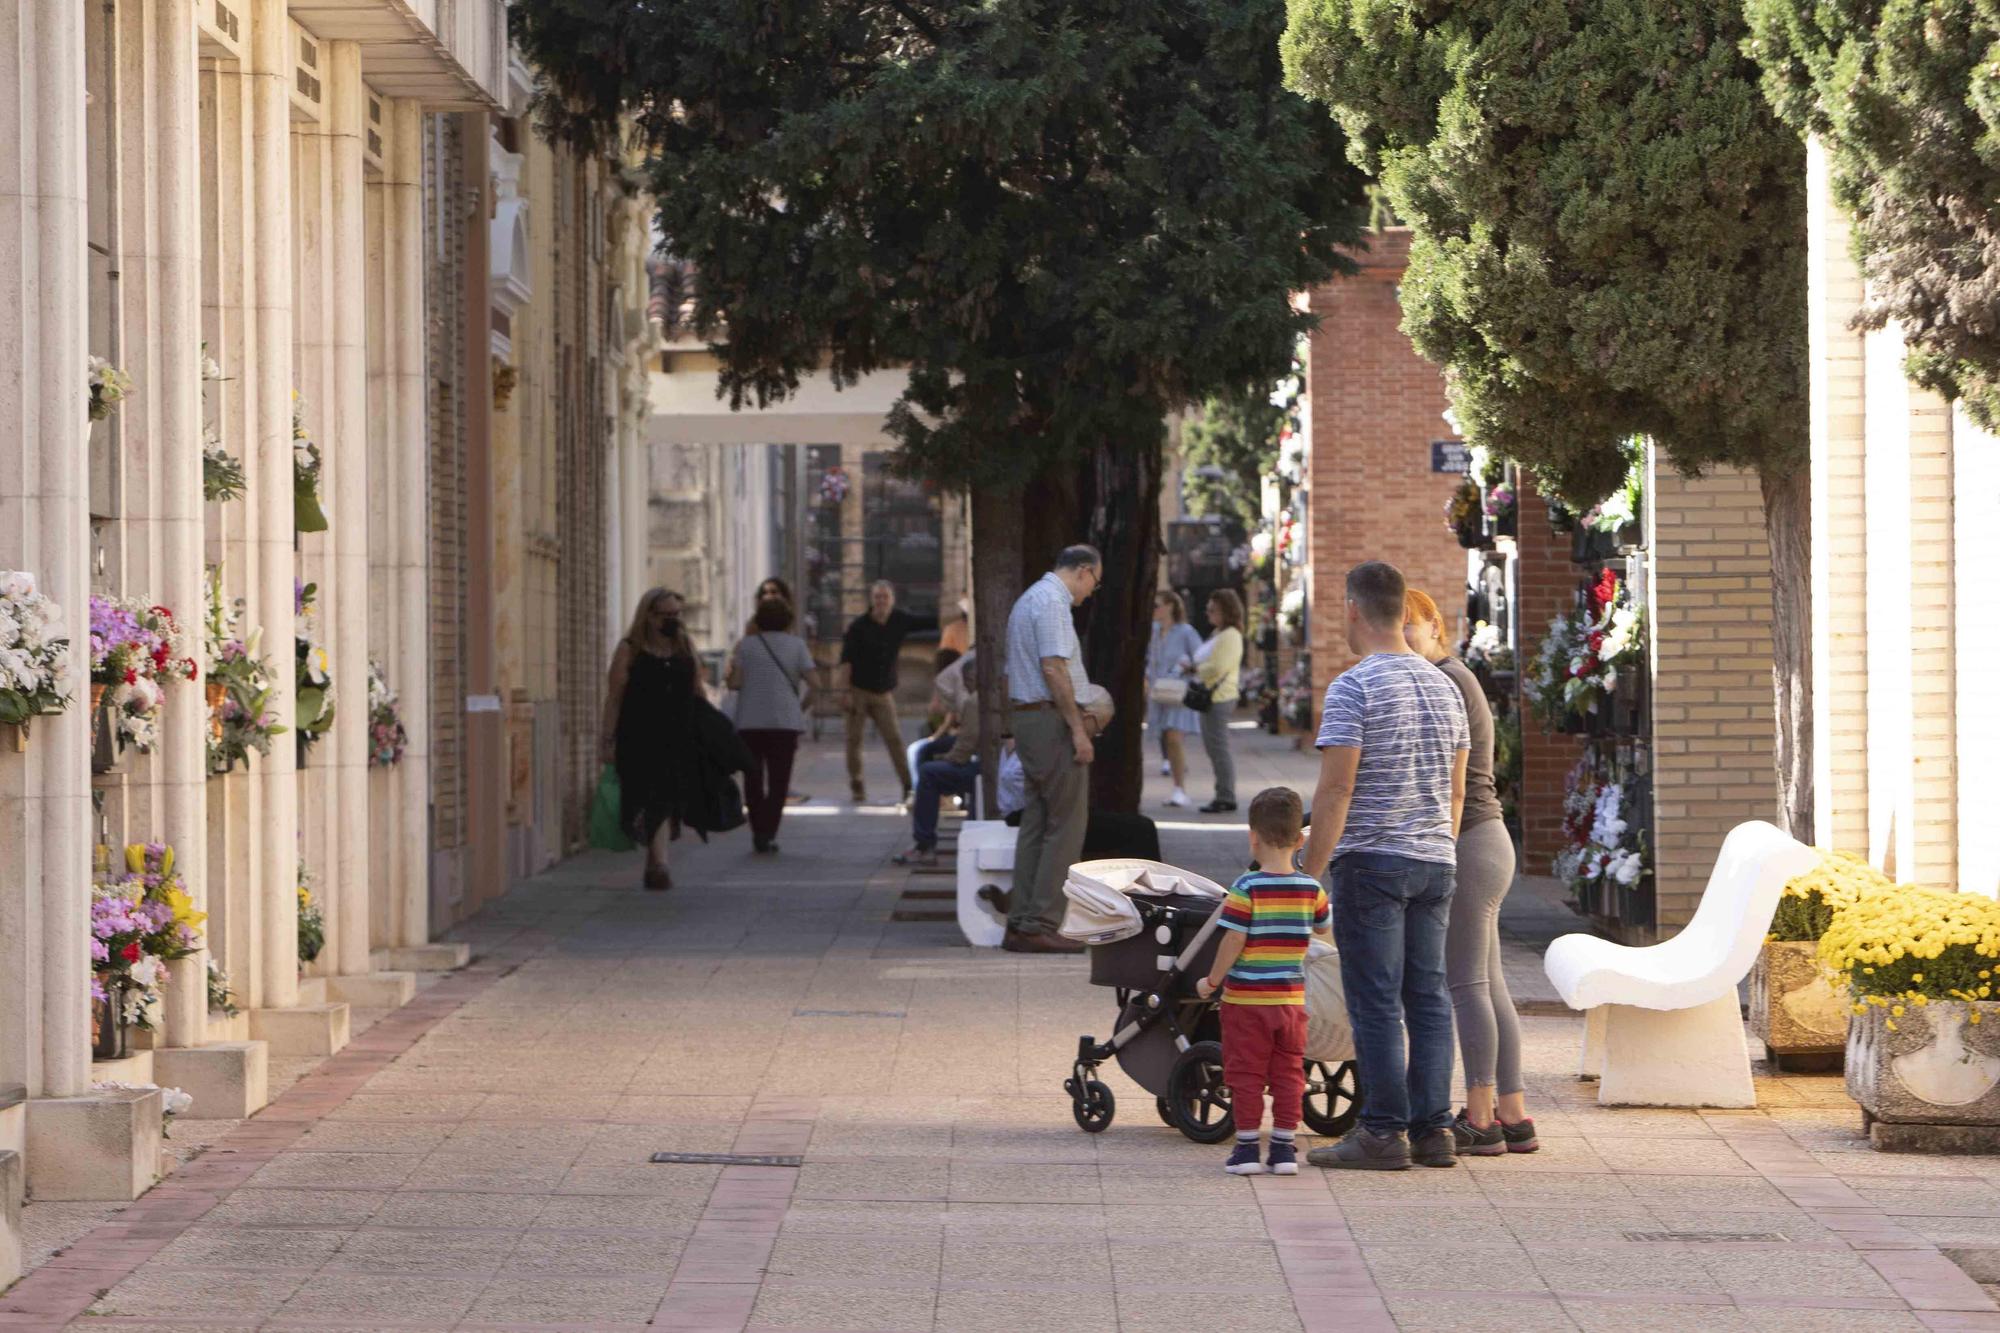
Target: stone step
column 10, row 1216
column 312, row 990
column 227, row 1027
column 229, row 1080
column 102, row 1146
column 308, row 1029
column 134, row 1068
column 376, row 990
column 442, row 957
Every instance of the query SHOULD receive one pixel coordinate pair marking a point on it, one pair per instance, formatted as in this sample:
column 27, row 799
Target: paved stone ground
column 478, row 1159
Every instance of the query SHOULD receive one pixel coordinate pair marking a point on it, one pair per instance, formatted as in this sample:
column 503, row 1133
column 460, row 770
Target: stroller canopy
column 1100, row 895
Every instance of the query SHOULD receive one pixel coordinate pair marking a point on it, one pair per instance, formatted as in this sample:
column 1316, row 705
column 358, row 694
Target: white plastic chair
column 1663, row 1026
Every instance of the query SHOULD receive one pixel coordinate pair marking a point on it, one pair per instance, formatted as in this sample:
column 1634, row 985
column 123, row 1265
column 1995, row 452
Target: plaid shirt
column 1041, row 626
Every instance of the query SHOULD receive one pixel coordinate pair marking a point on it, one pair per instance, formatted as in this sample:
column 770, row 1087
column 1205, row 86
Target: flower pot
column 97, row 698
column 217, row 693
column 1932, row 1083
column 111, row 1034
column 1794, row 1010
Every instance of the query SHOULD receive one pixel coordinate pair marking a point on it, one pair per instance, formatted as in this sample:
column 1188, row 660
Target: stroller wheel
column 1166, row 1113
column 1197, row 1096
column 1332, row 1098
column 1094, row 1108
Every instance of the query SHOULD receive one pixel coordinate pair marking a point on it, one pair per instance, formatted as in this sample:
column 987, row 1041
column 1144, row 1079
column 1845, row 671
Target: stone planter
column 1794, row 1010
column 1932, row 1084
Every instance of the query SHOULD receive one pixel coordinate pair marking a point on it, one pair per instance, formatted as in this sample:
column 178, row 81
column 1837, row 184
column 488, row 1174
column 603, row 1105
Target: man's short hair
column 881, row 585
column 774, row 614
column 1377, row 588
column 1079, row 557
column 1277, row 816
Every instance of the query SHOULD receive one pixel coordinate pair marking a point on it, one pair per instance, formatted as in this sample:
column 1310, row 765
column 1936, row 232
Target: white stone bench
column 985, row 856
column 1663, row 1026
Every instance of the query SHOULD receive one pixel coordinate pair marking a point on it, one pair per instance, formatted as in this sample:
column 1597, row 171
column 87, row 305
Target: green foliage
column 1801, row 917
column 1229, row 448
column 1609, row 233
column 1064, row 219
column 1906, row 98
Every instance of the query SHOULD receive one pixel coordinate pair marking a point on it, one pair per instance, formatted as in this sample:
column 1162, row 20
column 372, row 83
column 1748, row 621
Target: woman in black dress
column 649, row 706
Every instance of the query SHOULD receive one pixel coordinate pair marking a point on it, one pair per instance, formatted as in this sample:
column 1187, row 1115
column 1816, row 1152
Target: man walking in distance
column 1044, row 677
column 1392, row 745
column 868, row 653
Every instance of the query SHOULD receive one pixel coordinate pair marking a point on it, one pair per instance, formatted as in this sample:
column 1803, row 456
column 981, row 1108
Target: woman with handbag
column 648, row 721
column 1216, row 665
column 768, row 669
column 1169, row 658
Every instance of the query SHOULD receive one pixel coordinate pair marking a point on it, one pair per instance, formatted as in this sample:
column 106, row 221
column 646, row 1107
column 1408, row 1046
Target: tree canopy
column 1906, row 99
column 1064, row 218
column 1608, row 222
column 1229, row 447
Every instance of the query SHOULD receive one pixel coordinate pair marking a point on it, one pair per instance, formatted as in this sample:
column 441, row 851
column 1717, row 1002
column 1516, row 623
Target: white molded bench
column 1663, row 1026
column 985, row 856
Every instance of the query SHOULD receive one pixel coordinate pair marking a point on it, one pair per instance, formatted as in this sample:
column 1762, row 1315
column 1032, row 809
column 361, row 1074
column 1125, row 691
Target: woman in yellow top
column 1216, row 666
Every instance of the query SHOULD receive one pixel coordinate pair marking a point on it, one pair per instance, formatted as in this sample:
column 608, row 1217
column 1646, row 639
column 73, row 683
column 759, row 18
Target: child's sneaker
column 1245, row 1161
column 1520, row 1135
column 1284, row 1158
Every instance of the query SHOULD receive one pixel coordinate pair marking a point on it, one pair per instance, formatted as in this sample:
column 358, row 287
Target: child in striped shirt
column 1270, row 915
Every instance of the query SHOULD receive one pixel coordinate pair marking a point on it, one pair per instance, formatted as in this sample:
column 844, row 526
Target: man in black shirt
column 868, row 653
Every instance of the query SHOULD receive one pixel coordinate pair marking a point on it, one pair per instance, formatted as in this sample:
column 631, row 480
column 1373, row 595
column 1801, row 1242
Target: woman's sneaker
column 1476, row 1142
column 1246, row 1160
column 1520, row 1135
column 1283, row 1159
column 1179, row 799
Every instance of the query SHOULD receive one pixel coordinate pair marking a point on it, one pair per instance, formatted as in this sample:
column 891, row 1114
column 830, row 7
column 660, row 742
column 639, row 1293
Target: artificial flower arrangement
column 1261, row 545
column 314, row 705
column 1602, row 844
column 1461, row 514
column 244, row 723
column 308, row 505
column 1808, row 903
column 109, row 386
column 1486, row 647
column 1904, row 945
column 133, row 648
column 1624, row 505
column 1499, row 502
column 221, row 997
column 221, row 471
column 833, row 485
column 1288, row 544
column 1292, row 611
column 34, row 658
column 1578, row 664
column 139, row 921
column 312, row 921
column 1295, row 694
column 386, row 736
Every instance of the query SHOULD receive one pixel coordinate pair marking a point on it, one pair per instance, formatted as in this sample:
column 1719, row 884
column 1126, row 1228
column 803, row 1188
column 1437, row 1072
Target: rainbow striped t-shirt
column 1279, row 913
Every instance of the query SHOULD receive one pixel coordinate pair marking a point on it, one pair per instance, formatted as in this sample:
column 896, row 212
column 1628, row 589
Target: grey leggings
column 1215, row 739
column 1489, row 1033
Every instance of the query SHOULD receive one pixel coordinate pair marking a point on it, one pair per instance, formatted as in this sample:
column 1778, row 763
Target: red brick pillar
column 1545, row 584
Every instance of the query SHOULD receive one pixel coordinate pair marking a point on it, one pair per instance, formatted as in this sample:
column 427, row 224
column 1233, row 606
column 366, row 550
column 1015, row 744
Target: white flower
column 1626, row 868
column 147, row 971
column 175, row 1102
column 17, row 583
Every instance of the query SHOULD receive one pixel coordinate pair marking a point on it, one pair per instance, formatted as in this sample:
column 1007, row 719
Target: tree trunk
column 1121, row 490
column 1788, row 527
column 996, row 566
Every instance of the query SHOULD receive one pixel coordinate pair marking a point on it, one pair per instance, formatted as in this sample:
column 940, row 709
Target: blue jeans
column 1389, row 918
column 936, row 779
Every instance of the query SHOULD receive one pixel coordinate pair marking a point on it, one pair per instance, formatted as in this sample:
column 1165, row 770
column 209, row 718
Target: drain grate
column 1708, row 1237
column 847, row 1013
column 728, row 1158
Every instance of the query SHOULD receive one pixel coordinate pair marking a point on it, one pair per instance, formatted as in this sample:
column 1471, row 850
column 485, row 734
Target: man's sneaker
column 1434, row 1147
column 1364, row 1150
column 1245, row 1161
column 1283, row 1159
column 1520, row 1135
column 1476, row 1142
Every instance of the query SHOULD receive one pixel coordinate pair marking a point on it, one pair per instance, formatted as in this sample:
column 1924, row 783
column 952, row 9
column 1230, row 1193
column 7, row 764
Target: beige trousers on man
column 864, row 706
column 1052, row 826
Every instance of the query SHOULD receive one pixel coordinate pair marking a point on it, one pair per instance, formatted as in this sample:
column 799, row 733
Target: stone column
column 1839, row 520
column 270, row 184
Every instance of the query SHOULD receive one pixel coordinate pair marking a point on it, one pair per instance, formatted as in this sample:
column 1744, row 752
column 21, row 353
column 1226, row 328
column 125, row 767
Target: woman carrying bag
column 767, row 670
column 1169, row 657
column 1215, row 669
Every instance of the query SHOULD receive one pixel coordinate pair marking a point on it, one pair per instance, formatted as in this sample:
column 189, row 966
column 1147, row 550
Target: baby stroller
column 1153, row 931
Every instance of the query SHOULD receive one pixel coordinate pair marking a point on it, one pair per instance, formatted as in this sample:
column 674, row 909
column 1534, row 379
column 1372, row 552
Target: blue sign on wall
column 1451, row 456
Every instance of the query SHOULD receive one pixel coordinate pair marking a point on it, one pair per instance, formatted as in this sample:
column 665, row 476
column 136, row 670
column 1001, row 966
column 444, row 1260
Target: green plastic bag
column 606, row 833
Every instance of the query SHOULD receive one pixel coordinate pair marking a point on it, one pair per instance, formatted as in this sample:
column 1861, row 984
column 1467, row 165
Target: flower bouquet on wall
column 1582, row 657
column 109, row 386
column 314, row 705
column 386, row 736
column 240, row 684
column 312, row 920
column 1605, row 853
column 1295, row 696
column 1462, row 515
column 134, row 648
column 221, row 471
column 140, row 920
column 34, row 658
column 308, row 500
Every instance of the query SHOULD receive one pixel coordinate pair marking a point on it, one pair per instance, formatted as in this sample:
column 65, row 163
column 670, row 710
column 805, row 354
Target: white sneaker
column 1166, row 769
column 1179, row 799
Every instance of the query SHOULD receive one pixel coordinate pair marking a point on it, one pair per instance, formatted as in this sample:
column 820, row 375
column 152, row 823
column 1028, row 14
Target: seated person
column 954, row 687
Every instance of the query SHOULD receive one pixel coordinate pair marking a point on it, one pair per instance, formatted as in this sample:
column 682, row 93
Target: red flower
column 162, row 611
column 130, row 953
column 192, row 669
column 1604, row 592
column 131, row 676
column 1596, row 643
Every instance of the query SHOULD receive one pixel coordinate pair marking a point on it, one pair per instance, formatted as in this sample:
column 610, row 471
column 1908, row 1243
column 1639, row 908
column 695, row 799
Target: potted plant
column 1794, row 1009
column 1462, row 515
column 1923, row 1046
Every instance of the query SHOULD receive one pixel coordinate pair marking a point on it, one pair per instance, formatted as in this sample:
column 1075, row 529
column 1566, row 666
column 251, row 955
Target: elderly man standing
column 1044, row 678
column 868, row 653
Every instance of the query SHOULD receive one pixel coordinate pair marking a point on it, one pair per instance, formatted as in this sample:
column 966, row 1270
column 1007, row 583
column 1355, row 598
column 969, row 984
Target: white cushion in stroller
column 1328, row 1036
column 1100, row 909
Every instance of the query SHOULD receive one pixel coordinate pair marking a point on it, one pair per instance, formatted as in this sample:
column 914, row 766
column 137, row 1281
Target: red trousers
column 1264, row 1046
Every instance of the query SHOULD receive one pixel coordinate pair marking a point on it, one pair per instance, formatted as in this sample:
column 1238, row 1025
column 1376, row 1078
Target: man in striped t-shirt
column 1269, row 916
column 1393, row 744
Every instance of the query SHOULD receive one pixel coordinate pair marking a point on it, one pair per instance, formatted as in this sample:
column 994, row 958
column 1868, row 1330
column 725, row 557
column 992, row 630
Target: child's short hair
column 1277, row 816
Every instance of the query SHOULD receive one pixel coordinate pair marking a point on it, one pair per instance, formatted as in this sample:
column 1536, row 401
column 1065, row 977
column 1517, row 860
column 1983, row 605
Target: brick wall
column 1376, row 408
column 1709, row 607
column 1545, row 584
